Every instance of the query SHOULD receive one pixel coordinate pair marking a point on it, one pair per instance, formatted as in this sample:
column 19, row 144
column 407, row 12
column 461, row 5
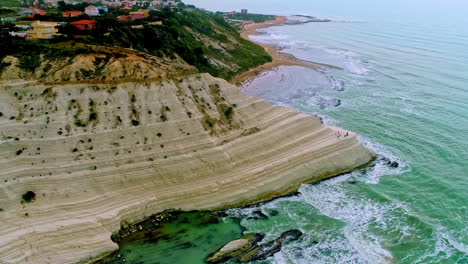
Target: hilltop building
column 92, row 10
column 156, row 3
column 51, row 3
column 127, row 4
column 84, row 24
column 26, row 12
column 244, row 11
column 31, row 12
column 136, row 15
column 72, row 13
column 43, row 30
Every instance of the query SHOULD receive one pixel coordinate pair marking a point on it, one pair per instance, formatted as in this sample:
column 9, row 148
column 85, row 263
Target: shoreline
column 278, row 58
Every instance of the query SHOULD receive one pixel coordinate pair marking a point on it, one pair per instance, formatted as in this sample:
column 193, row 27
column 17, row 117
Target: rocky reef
column 246, row 249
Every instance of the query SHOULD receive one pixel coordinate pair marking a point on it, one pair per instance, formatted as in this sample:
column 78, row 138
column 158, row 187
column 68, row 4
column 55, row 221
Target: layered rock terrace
column 99, row 156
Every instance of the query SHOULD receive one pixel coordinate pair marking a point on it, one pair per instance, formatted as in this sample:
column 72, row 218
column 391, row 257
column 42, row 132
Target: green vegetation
column 204, row 40
column 229, row 112
column 29, row 62
column 10, row 3
column 5, row 12
column 29, row 196
column 194, row 36
column 257, row 18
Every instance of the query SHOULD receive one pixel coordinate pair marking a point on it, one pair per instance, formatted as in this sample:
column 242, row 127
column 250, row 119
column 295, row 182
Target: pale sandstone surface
column 195, row 143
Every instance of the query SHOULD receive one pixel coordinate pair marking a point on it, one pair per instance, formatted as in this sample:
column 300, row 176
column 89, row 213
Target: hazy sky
column 357, row 9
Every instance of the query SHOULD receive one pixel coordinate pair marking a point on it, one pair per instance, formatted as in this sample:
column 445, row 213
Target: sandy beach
column 278, row 58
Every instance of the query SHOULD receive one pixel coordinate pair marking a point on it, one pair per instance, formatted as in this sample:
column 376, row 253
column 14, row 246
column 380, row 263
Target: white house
column 92, row 10
column 156, row 3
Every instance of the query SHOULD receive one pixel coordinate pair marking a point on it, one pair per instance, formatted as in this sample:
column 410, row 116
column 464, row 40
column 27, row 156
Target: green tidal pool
column 188, row 239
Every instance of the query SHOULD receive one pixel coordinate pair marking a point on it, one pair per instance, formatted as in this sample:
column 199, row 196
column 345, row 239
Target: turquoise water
column 405, row 91
column 404, row 88
column 187, row 239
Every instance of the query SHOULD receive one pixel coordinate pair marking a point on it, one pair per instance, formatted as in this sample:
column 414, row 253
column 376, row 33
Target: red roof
column 83, row 22
column 72, row 12
column 37, row 9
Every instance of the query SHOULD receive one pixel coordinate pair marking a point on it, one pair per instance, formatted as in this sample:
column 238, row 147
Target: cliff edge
column 96, row 156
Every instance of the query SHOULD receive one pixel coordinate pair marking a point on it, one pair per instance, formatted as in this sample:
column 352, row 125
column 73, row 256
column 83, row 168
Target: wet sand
column 278, row 58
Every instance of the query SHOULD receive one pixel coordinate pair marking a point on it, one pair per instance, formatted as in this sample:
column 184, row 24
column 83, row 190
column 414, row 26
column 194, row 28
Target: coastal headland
column 91, row 143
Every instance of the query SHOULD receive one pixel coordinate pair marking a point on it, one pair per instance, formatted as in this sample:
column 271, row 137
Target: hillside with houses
column 170, row 30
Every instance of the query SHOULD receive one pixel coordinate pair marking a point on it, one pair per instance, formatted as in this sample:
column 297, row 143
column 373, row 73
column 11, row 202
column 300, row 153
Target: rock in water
column 262, row 252
column 394, row 164
column 257, row 214
column 235, row 248
column 290, row 235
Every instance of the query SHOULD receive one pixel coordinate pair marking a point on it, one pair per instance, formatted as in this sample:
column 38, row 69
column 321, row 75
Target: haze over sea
column 402, row 86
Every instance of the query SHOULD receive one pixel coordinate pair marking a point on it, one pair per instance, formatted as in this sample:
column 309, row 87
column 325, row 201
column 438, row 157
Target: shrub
column 29, row 196
column 135, row 123
column 229, row 112
column 92, row 116
column 79, row 123
column 29, row 62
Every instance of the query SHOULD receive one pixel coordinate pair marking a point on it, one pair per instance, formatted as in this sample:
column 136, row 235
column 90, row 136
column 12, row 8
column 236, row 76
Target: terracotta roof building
column 72, row 13
column 84, row 24
column 137, row 15
column 31, row 12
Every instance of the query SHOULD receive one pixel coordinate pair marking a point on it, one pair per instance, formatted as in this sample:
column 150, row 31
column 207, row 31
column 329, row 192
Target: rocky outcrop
column 264, row 251
column 235, row 248
column 101, row 156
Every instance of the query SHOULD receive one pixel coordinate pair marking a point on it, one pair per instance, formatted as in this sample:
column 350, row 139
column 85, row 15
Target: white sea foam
column 445, row 246
column 332, row 200
column 351, row 65
column 373, row 174
column 329, row 251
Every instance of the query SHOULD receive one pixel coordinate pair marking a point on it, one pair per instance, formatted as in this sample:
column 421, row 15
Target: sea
column 403, row 87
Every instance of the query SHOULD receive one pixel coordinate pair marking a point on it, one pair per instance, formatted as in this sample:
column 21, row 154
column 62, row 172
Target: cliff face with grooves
column 101, row 155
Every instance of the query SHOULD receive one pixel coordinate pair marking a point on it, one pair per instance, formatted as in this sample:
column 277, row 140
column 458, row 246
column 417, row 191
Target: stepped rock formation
column 100, row 155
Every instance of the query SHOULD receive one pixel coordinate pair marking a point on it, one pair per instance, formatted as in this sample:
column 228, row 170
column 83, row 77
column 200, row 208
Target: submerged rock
column 257, row 214
column 235, row 248
column 264, row 251
column 390, row 163
column 273, row 212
